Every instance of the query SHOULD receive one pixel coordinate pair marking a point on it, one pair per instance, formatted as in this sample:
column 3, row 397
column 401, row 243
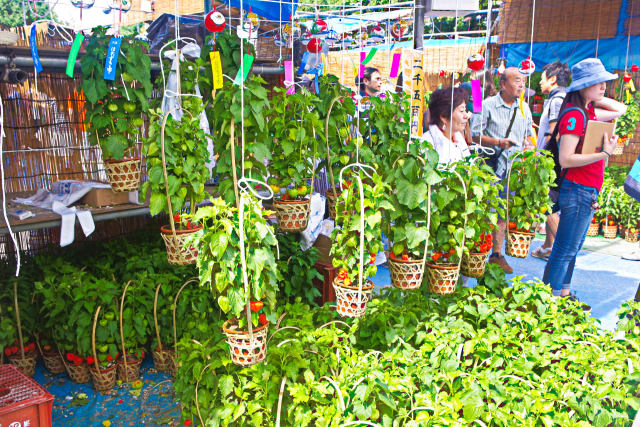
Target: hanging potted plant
column 134, row 331
column 221, row 270
column 176, row 152
column 356, row 241
column 611, row 210
column 407, row 224
column 627, row 124
column 293, row 123
column 116, row 108
column 528, row 182
column 484, row 208
column 225, row 115
column 447, row 231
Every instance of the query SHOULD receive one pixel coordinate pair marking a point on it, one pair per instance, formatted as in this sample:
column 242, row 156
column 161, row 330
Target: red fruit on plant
column 7, row 351
column 405, row 257
column 256, row 306
column 143, row 354
column 90, row 360
column 109, row 358
column 187, row 422
column 512, row 226
column 436, row 256
column 176, row 217
column 262, row 319
column 70, row 357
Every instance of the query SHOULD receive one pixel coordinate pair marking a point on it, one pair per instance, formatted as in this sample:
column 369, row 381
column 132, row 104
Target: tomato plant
column 532, row 174
column 115, row 109
column 219, row 258
column 627, row 124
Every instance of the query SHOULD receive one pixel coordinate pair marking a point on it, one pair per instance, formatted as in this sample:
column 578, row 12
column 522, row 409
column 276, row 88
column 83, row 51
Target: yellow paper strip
column 521, row 104
column 216, row 69
column 417, row 97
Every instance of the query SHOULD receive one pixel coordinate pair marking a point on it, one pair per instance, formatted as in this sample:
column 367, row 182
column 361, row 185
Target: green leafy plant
column 186, row 155
column 627, row 124
column 611, row 204
column 532, row 174
column 225, row 116
column 629, row 212
column 345, row 249
column 136, row 324
column 297, row 270
column 295, row 127
column 220, row 265
column 115, row 110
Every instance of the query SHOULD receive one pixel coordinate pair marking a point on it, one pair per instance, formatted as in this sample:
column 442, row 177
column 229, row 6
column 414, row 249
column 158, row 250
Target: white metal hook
column 244, row 185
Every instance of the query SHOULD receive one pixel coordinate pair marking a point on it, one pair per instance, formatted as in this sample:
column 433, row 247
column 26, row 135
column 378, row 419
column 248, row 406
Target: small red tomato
column 70, row 357
column 262, row 319
column 256, row 306
column 187, row 422
column 90, row 360
column 7, row 351
column 405, row 257
column 109, row 358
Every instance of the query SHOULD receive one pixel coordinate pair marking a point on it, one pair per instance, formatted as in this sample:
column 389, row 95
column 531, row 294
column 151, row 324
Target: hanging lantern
column 319, row 28
column 634, row 68
column 332, row 38
column 501, row 67
column 399, row 29
column 442, row 74
column 347, row 40
column 377, row 34
column 527, row 67
column 84, row 4
column 305, row 37
column 626, row 78
column 253, row 19
column 475, row 62
column 214, row 21
column 117, row 5
column 279, row 41
column 314, row 45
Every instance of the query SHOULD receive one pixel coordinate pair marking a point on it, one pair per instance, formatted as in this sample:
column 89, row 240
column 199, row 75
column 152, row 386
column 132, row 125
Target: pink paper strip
column 395, row 65
column 288, row 77
column 363, row 55
column 476, row 94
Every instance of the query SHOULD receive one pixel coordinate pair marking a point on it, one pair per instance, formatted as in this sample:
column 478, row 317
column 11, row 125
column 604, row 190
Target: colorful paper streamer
column 288, row 77
column 370, row 56
column 522, row 104
column 476, row 94
column 243, row 72
column 111, row 63
column 34, row 50
column 216, row 69
column 73, row 54
column 395, row 65
column 363, row 55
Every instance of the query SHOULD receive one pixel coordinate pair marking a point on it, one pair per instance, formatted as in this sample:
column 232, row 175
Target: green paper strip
column 243, row 72
column 73, row 54
column 370, row 56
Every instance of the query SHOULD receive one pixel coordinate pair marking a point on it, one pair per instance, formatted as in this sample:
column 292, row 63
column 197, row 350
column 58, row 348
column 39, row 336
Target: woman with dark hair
column 448, row 117
column 582, row 174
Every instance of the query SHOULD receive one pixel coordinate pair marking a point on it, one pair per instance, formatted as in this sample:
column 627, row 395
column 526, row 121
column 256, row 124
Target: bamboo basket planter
column 474, row 264
column 53, row 362
column 406, row 275
column 292, row 215
column 25, row 362
column 246, row 348
column 123, row 175
column 630, row 236
column 593, row 229
column 128, row 366
column 179, row 253
column 610, row 231
column 79, row 374
column 519, row 243
column 104, row 379
column 443, row 278
column 350, row 301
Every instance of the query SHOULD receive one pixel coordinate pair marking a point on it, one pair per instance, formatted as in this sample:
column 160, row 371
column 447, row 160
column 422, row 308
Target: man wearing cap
column 503, row 127
column 582, row 174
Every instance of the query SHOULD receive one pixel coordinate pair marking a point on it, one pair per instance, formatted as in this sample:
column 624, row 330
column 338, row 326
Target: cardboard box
column 99, row 197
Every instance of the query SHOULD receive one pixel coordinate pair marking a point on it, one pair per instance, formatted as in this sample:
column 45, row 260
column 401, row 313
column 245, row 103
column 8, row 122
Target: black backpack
column 553, row 146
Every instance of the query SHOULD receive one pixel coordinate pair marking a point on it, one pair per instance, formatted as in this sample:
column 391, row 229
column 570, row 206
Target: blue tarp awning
column 271, row 10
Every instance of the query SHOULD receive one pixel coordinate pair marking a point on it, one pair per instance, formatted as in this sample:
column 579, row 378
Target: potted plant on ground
column 115, row 109
column 529, row 179
column 136, row 303
column 104, row 335
column 294, row 125
column 629, row 217
column 221, row 270
column 356, row 241
column 406, row 224
column 162, row 342
column 447, row 232
column 16, row 298
column 484, row 207
column 176, row 152
column 610, row 210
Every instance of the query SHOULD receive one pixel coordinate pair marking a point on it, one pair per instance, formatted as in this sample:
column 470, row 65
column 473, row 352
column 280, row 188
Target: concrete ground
column 601, row 278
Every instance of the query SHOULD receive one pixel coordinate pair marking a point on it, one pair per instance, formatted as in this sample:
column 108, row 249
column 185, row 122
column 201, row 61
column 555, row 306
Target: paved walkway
column 601, row 278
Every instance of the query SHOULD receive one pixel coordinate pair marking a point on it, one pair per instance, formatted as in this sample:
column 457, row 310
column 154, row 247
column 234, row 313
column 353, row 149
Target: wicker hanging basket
column 610, row 231
column 79, row 374
column 292, row 215
column 474, row 263
column 124, row 175
column 163, row 358
column 26, row 364
column 593, row 229
column 349, row 301
column 332, row 201
column 53, row 362
column 519, row 243
column 406, row 275
column 619, row 148
column 443, row 278
column 128, row 365
column 177, row 252
column 245, row 350
column 630, row 236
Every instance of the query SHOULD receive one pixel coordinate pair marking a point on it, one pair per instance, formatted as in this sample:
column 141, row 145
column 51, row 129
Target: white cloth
column 63, row 194
column 314, row 226
column 171, row 100
column 448, row 151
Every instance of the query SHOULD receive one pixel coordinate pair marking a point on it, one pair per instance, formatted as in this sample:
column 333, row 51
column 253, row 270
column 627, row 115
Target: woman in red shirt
column 583, row 173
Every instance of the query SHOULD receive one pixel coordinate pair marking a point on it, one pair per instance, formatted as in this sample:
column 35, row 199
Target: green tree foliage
column 11, row 12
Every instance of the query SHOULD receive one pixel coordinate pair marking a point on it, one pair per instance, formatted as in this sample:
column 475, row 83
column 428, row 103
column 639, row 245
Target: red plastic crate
column 23, row 402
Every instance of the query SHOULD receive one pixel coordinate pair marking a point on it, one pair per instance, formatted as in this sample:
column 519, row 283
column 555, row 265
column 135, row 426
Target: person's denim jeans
column 575, row 216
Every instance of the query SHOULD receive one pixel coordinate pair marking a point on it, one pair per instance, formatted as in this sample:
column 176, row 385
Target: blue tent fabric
column 267, row 9
column 611, row 52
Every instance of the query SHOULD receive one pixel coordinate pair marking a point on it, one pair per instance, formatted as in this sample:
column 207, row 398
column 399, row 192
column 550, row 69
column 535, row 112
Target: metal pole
column 418, row 24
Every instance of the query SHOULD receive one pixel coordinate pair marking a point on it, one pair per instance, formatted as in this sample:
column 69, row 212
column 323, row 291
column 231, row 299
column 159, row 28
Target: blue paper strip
column 303, row 63
column 34, row 50
column 112, row 58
